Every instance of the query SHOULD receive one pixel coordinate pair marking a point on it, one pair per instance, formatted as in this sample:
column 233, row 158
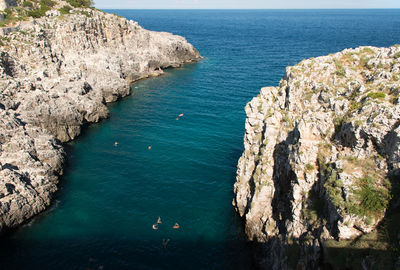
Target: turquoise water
column 111, row 195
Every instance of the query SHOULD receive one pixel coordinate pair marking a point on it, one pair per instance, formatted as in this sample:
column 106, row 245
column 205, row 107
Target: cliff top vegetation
column 27, row 9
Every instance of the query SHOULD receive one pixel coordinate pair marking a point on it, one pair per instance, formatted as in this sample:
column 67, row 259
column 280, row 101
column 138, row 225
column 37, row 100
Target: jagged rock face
column 318, row 150
column 57, row 73
column 30, row 163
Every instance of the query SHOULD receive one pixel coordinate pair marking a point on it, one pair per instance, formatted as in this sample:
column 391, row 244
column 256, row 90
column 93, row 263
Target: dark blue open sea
column 110, row 196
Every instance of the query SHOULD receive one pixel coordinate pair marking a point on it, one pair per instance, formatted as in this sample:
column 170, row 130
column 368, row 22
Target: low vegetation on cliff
column 37, row 8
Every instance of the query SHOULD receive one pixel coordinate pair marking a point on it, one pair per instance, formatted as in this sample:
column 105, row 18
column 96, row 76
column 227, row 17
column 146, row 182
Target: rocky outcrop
column 56, row 74
column 319, row 150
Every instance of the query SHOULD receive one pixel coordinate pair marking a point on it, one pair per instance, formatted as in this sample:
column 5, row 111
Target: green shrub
column 364, row 62
column 354, row 106
column 376, row 95
column 45, row 5
column 7, row 13
column 340, row 72
column 80, row 3
column 37, row 13
column 308, row 96
column 65, row 9
column 85, row 13
column 397, row 55
column 368, row 51
column 48, row 3
column 339, row 68
column 285, row 118
column 373, row 199
column 309, row 167
column 333, row 185
column 27, row 4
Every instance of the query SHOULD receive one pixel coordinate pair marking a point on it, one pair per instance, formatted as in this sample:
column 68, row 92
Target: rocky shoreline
column 57, row 73
column 322, row 160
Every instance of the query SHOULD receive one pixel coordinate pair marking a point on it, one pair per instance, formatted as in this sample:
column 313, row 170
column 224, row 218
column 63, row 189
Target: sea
column 111, row 195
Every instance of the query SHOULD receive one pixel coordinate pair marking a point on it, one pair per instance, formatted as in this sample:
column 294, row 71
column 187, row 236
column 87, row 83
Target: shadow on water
column 112, row 253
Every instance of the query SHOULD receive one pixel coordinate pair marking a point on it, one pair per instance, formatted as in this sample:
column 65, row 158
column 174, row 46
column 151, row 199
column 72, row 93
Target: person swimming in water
column 155, row 227
column 176, row 226
column 159, row 220
column 116, row 144
column 165, row 243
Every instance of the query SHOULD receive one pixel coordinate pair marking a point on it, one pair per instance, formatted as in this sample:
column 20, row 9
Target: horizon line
column 246, row 8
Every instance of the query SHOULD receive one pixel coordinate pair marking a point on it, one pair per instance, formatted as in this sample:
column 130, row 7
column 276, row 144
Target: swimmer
column 176, row 226
column 159, row 220
column 155, row 227
column 177, row 118
column 116, row 144
column 149, row 147
column 181, row 115
column 165, row 243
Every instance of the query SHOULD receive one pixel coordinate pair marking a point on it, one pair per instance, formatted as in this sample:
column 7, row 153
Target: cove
column 111, row 195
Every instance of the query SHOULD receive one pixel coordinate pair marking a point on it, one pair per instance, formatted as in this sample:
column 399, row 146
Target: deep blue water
column 111, row 196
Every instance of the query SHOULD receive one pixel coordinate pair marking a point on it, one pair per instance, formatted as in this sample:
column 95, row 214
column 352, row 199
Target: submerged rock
column 318, row 152
column 56, row 75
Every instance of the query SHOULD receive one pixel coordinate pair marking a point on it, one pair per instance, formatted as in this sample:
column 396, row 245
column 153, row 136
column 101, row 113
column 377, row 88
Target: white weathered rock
column 331, row 122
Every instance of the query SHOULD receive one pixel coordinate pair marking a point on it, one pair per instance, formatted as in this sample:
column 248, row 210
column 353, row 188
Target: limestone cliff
column 320, row 150
column 56, row 74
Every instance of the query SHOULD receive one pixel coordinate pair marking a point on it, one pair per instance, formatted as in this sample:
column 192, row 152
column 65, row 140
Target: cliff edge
column 321, row 160
column 58, row 69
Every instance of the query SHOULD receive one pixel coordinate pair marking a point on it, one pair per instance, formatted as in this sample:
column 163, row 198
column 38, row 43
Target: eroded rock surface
column 319, row 149
column 56, row 74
